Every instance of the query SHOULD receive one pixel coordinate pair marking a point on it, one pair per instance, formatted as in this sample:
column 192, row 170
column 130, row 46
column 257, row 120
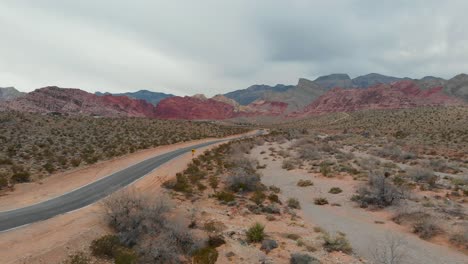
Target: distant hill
column 254, row 92
column 401, row 94
column 372, row 79
column 9, row 93
column 334, row 80
column 457, row 87
column 297, row 97
column 67, row 101
column 152, row 97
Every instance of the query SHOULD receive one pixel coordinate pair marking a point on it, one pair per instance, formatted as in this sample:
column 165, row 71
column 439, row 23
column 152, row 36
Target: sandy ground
column 360, row 226
column 53, row 240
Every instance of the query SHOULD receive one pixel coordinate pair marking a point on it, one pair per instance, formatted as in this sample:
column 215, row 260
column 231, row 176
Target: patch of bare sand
column 52, row 240
column 362, row 226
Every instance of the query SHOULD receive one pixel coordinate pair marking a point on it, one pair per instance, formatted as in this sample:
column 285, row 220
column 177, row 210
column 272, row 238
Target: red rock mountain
column 216, row 108
column 193, row 108
column 401, row 94
column 75, row 101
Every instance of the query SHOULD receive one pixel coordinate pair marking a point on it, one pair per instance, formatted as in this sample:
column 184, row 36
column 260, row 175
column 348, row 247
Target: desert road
column 92, row 192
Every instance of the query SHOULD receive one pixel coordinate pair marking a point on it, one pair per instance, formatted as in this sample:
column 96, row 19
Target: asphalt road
column 90, row 193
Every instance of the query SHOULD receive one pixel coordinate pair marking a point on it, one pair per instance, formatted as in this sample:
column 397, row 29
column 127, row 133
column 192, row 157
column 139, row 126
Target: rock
column 301, row 258
column 230, row 254
column 268, row 245
column 232, row 203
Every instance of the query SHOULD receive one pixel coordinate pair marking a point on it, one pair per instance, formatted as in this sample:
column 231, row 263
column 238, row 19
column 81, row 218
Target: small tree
column 390, row 251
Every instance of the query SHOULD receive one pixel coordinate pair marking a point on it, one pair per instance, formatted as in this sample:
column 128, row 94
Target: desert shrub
column 320, row 201
column 206, row 255
column 301, row 258
column 256, row 233
column 308, row 152
column 268, row 245
column 75, row 162
column 304, row 183
column 133, row 215
column 225, row 196
column 124, row 255
column 6, row 161
column 294, row 203
column 339, row 242
column 182, row 184
column 240, row 179
column 3, row 182
column 288, row 164
column 105, row 246
column 426, row 228
column 214, row 182
column 258, row 197
column 216, row 241
column 391, row 151
column 335, row 190
column 460, row 238
column 380, row 192
column 78, row 258
column 369, row 164
column 21, row 176
column 391, row 250
column 443, row 166
column 274, row 198
column 293, row 236
column 49, row 167
column 274, row 189
column 325, row 169
column 214, row 226
column 283, row 153
column 423, row 175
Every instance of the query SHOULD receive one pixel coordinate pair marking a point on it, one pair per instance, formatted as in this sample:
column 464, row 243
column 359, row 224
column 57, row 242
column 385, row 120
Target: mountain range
column 331, row 93
column 151, row 97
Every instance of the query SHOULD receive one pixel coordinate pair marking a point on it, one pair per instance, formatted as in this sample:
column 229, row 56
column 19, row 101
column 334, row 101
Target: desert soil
column 358, row 224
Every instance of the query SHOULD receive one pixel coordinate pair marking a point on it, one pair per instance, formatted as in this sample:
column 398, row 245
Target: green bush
column 78, row 258
column 256, row 233
column 294, row 203
column 274, row 189
column 225, row 196
column 182, row 184
column 124, row 255
column 274, row 198
column 258, row 197
column 337, row 243
column 3, row 182
column 305, row 183
column 325, row 169
column 21, row 176
column 105, row 246
column 206, row 255
column 320, row 201
column 335, row 190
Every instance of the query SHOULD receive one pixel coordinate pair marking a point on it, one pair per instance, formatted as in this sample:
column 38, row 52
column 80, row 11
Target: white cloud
column 187, row 47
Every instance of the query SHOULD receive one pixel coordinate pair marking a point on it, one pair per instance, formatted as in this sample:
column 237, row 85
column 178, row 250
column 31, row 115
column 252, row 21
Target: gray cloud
column 187, row 47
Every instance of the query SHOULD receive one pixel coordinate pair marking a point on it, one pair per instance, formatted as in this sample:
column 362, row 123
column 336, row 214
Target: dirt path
column 52, row 240
column 359, row 225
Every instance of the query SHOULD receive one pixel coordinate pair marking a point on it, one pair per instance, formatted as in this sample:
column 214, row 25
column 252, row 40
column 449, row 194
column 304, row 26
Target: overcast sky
column 197, row 46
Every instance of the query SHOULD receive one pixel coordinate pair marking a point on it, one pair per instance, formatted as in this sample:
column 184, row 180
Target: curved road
column 90, row 193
